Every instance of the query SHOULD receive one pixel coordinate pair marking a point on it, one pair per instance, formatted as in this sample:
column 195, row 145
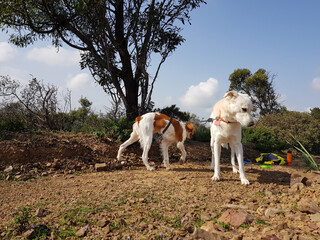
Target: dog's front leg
column 217, row 153
column 239, row 154
column 165, row 154
column 233, row 159
column 180, row 145
column 212, row 153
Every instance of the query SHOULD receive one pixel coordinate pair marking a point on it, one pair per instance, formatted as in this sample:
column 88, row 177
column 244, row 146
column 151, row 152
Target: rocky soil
column 67, row 186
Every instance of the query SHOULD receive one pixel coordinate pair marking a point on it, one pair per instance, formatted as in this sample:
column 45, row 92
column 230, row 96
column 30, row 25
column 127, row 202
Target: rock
column 40, row 212
column 271, row 212
column 8, row 169
column 296, row 187
column 236, row 217
column 82, row 231
column 102, row 223
column 296, row 178
column 205, row 235
column 234, row 206
column 270, row 237
column 308, row 206
column 101, row 167
column 315, row 217
column 29, row 234
column 205, row 217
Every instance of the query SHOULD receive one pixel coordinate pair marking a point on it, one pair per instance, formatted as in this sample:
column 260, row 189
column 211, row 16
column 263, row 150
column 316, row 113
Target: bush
column 201, row 133
column 120, row 129
column 263, row 140
column 301, row 125
column 11, row 125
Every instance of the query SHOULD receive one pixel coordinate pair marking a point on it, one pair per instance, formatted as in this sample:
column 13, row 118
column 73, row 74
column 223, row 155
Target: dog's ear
column 231, row 94
column 190, row 127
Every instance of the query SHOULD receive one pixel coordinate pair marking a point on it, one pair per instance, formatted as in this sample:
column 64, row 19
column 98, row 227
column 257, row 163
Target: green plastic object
column 266, row 166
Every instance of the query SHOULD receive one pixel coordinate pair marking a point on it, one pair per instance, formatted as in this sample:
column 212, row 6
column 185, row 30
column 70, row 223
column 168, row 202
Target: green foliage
column 315, row 113
column 22, row 219
column 175, row 111
column 262, row 139
column 11, row 125
column 259, row 86
column 202, row 133
column 120, row 129
column 308, row 159
column 303, row 126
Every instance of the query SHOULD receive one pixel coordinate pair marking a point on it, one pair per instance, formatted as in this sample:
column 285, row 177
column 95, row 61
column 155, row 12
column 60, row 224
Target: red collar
column 221, row 119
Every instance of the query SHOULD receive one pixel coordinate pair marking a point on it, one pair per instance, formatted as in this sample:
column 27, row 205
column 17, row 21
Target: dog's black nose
column 251, row 124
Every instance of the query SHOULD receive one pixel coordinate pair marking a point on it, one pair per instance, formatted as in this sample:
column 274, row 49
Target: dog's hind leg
column 146, row 144
column 239, row 154
column 180, row 145
column 133, row 138
column 165, row 147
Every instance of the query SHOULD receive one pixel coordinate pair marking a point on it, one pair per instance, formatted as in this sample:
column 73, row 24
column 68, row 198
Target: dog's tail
column 225, row 145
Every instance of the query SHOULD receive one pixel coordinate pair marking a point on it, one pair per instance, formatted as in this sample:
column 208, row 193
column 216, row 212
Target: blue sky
column 282, row 37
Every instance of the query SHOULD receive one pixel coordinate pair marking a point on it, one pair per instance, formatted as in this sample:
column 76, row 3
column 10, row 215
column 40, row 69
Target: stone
column 8, row 169
column 308, row 206
column 40, row 212
column 29, row 234
column 271, row 212
column 236, row 217
column 205, row 235
column 102, row 223
column 270, row 237
column 315, row 217
column 297, row 178
column 82, row 231
column 101, row 167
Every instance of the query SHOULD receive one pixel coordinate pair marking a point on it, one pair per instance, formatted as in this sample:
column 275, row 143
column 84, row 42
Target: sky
column 282, row 37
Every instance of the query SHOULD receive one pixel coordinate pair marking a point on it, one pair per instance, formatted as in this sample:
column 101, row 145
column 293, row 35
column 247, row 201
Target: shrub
column 11, row 125
column 201, row 133
column 120, row 129
column 263, row 140
column 303, row 126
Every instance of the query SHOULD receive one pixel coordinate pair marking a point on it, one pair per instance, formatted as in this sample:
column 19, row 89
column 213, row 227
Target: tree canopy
column 259, row 86
column 116, row 38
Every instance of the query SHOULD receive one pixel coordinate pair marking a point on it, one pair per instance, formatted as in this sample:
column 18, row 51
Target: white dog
column 228, row 115
column 149, row 124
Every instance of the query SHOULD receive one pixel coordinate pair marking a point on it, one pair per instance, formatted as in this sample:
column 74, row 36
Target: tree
column 315, row 113
column 38, row 99
column 116, row 37
column 259, row 86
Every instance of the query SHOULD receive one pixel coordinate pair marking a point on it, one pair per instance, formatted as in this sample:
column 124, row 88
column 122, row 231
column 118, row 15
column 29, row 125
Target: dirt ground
column 55, row 179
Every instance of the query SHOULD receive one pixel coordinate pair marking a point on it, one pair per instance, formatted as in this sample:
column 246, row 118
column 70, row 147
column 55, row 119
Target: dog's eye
column 244, row 110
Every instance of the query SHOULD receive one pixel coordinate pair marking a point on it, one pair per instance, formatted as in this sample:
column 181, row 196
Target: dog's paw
column 235, row 170
column 182, row 161
column 215, row 178
column 151, row 168
column 245, row 181
column 169, row 168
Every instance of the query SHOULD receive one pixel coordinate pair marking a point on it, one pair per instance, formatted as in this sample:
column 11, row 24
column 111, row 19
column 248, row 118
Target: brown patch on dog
column 138, row 119
column 160, row 122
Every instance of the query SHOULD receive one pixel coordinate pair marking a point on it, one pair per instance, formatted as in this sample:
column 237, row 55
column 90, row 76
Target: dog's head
column 240, row 107
column 189, row 129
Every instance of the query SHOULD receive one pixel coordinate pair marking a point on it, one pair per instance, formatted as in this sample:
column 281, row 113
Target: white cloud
column 79, row 82
column 7, row 52
column 202, row 95
column 316, row 83
column 54, row 57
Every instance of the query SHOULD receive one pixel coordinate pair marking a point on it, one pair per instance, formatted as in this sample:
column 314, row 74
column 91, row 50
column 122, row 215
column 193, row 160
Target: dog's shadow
column 280, row 178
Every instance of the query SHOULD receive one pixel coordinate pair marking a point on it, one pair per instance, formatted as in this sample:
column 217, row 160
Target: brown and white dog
column 149, row 124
